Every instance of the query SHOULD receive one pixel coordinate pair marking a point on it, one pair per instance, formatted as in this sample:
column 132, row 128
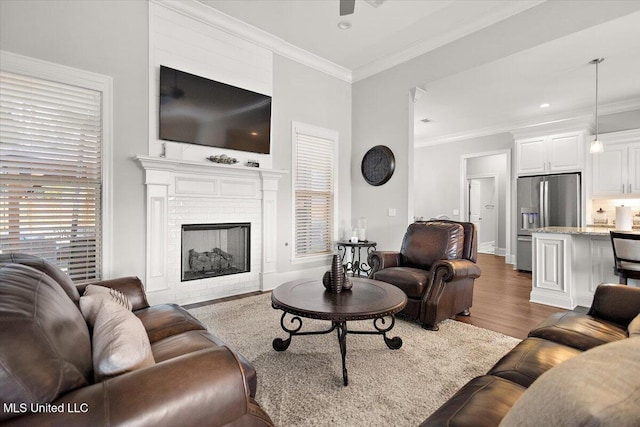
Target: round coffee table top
column 367, row 299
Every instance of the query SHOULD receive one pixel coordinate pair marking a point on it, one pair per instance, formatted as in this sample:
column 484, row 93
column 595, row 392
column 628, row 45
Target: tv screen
column 200, row 111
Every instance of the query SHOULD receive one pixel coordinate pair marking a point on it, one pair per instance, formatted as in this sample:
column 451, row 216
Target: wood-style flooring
column 501, row 299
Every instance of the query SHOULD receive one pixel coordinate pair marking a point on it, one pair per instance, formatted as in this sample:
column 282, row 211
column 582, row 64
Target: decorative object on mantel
column 336, row 280
column 253, row 164
column 224, row 159
column 596, row 146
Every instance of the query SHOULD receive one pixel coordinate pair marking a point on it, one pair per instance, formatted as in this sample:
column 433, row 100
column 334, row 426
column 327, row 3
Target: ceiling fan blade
column 347, row 7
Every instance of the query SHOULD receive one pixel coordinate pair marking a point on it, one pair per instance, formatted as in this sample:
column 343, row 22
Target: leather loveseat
column 47, row 364
column 574, row 369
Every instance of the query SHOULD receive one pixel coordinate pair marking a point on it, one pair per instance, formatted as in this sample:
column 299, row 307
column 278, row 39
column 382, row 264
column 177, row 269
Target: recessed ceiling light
column 545, row 105
column 344, row 25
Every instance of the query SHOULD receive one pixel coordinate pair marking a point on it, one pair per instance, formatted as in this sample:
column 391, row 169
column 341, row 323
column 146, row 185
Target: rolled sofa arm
column 206, row 387
column 130, row 286
column 616, row 303
column 451, row 270
column 379, row 260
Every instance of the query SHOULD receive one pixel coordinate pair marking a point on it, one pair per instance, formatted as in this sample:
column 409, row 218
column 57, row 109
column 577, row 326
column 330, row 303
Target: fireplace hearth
column 211, row 250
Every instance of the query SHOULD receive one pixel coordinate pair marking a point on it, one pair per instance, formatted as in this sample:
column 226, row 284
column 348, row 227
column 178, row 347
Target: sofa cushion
column 164, row 320
column 93, row 297
column 413, row 281
column 37, row 317
column 483, row 401
column 530, row 359
column 190, row 341
column 597, row 388
column 578, row 330
column 426, row 243
column 634, row 327
column 47, row 268
column 120, row 343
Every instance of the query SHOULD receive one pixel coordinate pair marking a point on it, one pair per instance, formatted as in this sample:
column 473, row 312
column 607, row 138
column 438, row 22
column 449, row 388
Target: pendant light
column 596, row 145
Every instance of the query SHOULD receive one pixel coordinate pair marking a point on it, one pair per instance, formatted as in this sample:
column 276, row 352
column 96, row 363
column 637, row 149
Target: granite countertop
column 589, row 230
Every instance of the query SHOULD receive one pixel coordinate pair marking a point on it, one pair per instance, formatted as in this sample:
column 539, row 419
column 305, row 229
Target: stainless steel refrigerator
column 545, row 201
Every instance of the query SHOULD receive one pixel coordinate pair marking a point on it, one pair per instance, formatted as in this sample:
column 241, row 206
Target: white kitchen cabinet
column 616, row 171
column 551, row 153
column 552, row 270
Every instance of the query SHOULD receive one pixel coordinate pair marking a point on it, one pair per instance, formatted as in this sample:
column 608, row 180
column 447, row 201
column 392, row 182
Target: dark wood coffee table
column 368, row 299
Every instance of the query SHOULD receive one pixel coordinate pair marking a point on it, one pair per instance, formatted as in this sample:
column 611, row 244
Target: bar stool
column 626, row 254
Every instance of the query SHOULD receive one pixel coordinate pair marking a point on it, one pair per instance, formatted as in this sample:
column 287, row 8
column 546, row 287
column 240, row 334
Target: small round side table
column 356, row 266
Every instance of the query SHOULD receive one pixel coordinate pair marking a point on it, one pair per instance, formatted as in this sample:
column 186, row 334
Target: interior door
column 475, row 203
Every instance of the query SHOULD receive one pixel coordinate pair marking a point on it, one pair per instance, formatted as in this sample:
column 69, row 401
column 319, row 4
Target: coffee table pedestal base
column 341, row 328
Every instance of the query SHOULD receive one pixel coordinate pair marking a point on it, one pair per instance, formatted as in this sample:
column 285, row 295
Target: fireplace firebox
column 211, row 250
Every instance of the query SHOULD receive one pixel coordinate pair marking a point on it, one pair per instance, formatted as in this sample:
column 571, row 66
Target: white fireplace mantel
column 181, row 192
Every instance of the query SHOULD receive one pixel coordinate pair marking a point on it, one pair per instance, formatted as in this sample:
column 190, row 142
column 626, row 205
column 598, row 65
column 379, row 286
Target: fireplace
column 212, row 250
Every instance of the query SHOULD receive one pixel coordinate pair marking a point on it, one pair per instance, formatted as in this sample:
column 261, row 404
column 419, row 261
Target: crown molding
column 584, row 115
column 507, row 10
column 221, row 21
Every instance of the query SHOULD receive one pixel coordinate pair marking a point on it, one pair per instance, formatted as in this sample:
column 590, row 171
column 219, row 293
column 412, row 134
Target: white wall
column 112, row 38
column 108, row 38
column 382, row 115
column 305, row 95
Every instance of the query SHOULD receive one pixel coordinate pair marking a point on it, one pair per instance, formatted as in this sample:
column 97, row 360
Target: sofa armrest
column 379, row 260
column 206, row 387
column 616, row 303
column 130, row 286
column 450, row 270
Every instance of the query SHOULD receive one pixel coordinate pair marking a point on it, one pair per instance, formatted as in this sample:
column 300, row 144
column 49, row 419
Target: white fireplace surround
column 190, row 192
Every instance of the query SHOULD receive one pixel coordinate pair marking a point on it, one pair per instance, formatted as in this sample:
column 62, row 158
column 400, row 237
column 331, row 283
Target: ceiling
column 484, row 100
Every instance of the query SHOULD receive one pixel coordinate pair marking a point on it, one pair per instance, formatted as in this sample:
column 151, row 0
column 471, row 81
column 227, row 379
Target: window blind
column 314, row 195
column 50, row 173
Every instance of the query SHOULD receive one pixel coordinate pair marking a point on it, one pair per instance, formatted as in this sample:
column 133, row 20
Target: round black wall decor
column 378, row 165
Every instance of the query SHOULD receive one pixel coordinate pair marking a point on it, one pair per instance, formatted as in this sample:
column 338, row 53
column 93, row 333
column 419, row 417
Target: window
column 51, row 180
column 314, row 158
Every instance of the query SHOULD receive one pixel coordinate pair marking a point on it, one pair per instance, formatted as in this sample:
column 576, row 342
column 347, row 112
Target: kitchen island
column 569, row 263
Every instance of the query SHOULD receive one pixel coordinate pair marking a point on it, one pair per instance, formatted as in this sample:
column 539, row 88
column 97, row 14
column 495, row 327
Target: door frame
column 468, row 199
column 464, row 190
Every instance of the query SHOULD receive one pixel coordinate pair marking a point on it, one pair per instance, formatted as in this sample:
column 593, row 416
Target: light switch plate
column 456, row 212
column 392, row 211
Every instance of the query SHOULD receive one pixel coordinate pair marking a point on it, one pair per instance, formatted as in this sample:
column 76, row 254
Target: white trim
column 238, row 28
column 321, row 133
column 584, row 115
column 507, row 10
column 631, row 135
column 104, row 84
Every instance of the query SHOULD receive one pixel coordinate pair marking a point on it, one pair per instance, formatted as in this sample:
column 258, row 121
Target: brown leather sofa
column 486, row 400
column 435, row 267
column 46, row 370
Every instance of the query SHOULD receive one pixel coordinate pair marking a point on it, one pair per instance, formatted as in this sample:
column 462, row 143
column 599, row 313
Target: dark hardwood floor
column 501, row 299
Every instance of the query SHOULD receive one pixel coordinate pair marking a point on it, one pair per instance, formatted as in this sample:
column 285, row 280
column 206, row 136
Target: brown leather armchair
column 436, row 268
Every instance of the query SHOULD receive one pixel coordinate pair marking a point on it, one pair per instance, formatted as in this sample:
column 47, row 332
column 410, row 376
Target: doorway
column 482, row 211
column 485, row 199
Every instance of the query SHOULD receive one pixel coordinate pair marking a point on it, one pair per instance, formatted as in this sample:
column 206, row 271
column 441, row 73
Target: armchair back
column 425, row 243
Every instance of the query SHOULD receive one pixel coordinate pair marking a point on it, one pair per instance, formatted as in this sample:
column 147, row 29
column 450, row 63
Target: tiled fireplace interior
column 214, row 250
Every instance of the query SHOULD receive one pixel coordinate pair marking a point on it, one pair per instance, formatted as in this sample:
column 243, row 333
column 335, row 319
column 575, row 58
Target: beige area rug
column 302, row 386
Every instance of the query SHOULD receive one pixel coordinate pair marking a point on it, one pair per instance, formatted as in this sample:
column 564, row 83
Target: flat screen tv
column 200, row 111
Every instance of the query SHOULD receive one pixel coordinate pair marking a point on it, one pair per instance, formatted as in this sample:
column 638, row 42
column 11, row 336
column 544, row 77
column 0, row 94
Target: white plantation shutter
column 50, row 173
column 314, row 193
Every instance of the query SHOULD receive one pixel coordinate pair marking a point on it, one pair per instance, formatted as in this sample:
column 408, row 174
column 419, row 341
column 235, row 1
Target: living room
column 128, row 41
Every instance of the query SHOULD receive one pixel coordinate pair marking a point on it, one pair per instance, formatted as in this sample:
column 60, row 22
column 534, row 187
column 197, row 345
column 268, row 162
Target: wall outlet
column 456, row 212
column 392, row 212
